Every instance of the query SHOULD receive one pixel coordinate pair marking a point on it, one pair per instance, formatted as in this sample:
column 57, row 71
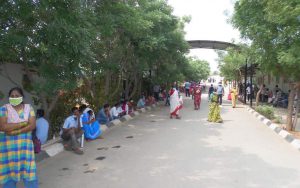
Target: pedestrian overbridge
column 210, row 44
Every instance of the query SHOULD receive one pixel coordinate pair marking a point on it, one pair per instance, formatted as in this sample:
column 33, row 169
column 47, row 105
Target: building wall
column 11, row 75
column 271, row 81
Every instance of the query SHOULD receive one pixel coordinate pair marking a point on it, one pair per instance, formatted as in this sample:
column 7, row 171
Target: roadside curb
column 54, row 147
column 278, row 130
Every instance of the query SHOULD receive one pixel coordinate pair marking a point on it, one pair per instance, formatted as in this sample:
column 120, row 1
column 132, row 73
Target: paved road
column 186, row 153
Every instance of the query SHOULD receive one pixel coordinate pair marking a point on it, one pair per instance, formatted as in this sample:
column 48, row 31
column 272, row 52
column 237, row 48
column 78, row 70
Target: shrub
column 267, row 111
column 278, row 119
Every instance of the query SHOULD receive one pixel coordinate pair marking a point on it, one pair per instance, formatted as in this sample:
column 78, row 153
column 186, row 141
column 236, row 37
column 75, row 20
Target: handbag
column 37, row 145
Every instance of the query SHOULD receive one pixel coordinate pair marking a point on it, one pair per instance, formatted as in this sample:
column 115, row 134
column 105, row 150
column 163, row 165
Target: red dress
column 197, row 97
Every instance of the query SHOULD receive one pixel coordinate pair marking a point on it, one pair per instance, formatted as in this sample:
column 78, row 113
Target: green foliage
column 273, row 28
column 267, row 111
column 197, row 69
column 88, row 49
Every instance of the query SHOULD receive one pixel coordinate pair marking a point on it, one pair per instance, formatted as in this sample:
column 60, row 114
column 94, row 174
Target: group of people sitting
column 85, row 124
column 276, row 97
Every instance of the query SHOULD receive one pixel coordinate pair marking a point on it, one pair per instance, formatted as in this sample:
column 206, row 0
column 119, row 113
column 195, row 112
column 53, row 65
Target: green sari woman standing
column 214, row 109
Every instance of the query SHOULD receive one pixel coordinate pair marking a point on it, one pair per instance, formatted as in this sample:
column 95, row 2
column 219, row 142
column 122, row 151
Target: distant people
column 141, row 103
column 214, row 109
column 71, row 131
column 266, row 95
column 262, row 93
column 175, row 105
column 234, row 96
column 114, row 111
column 220, row 92
column 125, row 107
column 210, row 90
column 17, row 120
column 90, row 126
column 197, row 97
column 103, row 116
column 42, row 126
column 248, row 89
column 131, row 106
column 187, row 86
column 156, row 90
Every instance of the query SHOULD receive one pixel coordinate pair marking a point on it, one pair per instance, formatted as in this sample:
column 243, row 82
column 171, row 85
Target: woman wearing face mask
column 17, row 120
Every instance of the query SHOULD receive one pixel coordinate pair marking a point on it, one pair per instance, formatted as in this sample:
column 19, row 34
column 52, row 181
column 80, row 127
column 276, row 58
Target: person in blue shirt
column 187, row 86
column 141, row 103
column 220, row 93
column 104, row 116
column 42, row 126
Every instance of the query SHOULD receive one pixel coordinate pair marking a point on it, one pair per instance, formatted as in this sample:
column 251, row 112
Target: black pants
column 156, row 96
column 220, row 96
column 187, row 92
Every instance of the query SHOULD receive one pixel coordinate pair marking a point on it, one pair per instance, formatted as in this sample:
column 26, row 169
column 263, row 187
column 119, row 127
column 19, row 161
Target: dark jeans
column 187, row 92
column 156, row 96
column 220, row 96
column 70, row 137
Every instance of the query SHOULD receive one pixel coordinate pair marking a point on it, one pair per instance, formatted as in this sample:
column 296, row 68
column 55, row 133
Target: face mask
column 15, row 101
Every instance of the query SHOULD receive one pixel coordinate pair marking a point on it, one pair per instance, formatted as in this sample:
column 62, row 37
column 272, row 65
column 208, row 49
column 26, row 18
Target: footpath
column 55, row 146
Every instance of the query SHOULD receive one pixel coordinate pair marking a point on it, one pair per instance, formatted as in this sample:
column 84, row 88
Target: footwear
column 100, row 137
column 177, row 117
column 67, row 147
column 78, row 151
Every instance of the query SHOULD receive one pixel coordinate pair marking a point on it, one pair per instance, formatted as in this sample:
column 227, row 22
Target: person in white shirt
column 42, row 126
column 114, row 111
column 71, row 130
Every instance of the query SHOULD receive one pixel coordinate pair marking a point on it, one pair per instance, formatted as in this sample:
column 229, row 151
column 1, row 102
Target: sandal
column 78, row 151
column 67, row 147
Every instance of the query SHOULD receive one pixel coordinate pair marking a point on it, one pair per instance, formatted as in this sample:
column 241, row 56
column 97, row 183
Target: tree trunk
column 289, row 121
column 117, row 87
column 107, row 83
column 135, row 87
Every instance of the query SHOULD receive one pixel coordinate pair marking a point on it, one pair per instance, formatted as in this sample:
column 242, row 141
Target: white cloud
column 209, row 22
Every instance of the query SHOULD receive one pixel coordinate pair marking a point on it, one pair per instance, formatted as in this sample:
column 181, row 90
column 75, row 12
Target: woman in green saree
column 214, row 109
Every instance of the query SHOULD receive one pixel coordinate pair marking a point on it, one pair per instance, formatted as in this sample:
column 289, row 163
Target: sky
column 209, row 22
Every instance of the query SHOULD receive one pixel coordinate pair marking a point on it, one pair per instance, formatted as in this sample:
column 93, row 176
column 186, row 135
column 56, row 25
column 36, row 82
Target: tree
column 197, row 69
column 272, row 26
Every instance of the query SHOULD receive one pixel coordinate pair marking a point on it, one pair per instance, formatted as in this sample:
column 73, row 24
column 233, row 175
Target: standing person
column 17, row 120
column 234, row 96
column 214, row 109
column 220, row 93
column 248, row 92
column 210, row 90
column 197, row 97
column 187, row 86
column 156, row 90
column 42, row 126
column 174, row 103
column 71, row 130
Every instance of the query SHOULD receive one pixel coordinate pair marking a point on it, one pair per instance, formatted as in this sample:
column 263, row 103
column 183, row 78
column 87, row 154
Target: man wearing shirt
column 187, row 86
column 71, row 131
column 114, row 112
column 42, row 126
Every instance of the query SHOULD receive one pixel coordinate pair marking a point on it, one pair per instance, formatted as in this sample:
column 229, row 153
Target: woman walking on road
column 234, row 95
column 197, row 97
column 175, row 105
column 17, row 163
column 214, row 109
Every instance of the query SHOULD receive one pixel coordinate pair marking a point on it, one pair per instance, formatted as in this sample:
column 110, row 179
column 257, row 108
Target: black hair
column 82, row 107
column 74, row 109
column 90, row 112
column 117, row 104
column 40, row 113
column 19, row 90
column 106, row 105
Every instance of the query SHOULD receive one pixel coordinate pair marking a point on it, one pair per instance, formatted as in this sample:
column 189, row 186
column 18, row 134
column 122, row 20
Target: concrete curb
column 54, row 147
column 273, row 126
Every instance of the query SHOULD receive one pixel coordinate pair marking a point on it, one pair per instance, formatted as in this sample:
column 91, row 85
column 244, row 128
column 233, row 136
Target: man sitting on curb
column 71, row 131
column 104, row 116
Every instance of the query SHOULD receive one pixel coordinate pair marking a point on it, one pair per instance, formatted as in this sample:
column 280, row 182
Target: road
column 153, row 151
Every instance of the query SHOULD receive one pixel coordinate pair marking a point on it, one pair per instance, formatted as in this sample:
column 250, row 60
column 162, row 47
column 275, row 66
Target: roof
column 210, row 44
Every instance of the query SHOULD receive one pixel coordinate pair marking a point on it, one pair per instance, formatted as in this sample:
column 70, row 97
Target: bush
column 278, row 119
column 267, row 111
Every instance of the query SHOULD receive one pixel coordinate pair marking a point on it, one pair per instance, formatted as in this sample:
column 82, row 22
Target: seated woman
column 90, row 126
column 141, row 103
column 131, row 106
column 125, row 107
